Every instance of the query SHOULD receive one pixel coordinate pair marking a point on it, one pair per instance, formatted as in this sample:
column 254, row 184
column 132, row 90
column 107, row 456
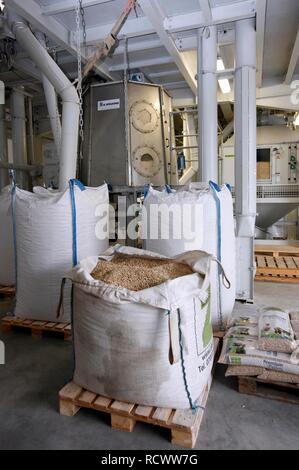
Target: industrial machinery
column 126, row 140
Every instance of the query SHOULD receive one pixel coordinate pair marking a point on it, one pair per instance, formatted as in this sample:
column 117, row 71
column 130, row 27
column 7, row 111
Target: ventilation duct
column 63, row 86
column 52, row 104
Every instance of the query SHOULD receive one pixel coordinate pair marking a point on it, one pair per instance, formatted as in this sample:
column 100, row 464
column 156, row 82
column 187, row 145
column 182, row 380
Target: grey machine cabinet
column 126, row 135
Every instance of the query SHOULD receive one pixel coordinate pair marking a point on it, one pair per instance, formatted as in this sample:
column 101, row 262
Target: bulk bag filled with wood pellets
column 7, row 263
column 53, row 231
column 197, row 218
column 152, row 346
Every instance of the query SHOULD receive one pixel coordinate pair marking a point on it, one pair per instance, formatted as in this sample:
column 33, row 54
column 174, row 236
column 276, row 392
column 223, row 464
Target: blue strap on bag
column 14, row 231
column 216, row 189
column 72, row 183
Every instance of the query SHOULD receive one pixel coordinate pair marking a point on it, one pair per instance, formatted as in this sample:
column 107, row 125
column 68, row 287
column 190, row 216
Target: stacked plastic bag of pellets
column 264, row 345
column 142, row 327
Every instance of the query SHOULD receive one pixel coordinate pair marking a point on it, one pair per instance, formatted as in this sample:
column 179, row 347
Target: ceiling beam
column 138, row 46
column 139, row 64
column 28, row 67
column 132, row 28
column 164, row 73
column 154, row 13
column 175, row 85
column 187, row 43
column 261, row 8
column 26, row 83
column 293, row 61
column 32, row 12
column 68, row 5
column 206, row 10
column 220, row 14
column 136, row 27
column 276, row 96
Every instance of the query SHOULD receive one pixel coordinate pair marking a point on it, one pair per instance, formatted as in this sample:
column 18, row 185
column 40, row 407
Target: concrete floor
column 36, row 369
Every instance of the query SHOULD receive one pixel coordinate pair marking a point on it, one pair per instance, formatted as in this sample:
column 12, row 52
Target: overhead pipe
column 19, row 140
column 52, row 103
column 245, row 151
column 63, row 86
column 207, row 104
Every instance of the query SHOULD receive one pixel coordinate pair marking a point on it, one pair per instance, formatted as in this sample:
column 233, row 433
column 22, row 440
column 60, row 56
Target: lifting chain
column 80, row 25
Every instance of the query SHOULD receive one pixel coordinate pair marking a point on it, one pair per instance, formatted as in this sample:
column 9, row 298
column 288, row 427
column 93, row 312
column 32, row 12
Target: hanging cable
column 80, row 28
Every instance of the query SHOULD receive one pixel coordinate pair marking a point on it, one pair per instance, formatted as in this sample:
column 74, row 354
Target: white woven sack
column 7, row 268
column 44, row 227
column 152, row 347
column 197, row 208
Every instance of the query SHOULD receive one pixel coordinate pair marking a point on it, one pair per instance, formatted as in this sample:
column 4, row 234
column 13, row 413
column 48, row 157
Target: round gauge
column 146, row 161
column 144, row 116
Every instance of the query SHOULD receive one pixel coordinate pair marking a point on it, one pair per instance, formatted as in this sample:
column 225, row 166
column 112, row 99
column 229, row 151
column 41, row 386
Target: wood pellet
column 138, row 273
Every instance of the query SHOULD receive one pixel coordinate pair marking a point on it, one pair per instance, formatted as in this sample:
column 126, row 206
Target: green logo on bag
column 207, row 332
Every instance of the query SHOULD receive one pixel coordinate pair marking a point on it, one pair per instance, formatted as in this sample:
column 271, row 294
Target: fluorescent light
column 223, row 82
column 220, row 65
column 224, row 85
column 296, row 121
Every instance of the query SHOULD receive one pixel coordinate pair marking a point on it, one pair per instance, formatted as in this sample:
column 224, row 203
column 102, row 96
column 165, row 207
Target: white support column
column 19, row 132
column 207, row 103
column 4, row 179
column 245, row 151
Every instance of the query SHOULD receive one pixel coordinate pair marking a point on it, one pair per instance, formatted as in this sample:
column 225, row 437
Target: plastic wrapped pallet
column 245, row 351
column 46, row 244
column 7, row 268
column 208, row 211
column 275, row 331
column 261, row 373
column 153, row 346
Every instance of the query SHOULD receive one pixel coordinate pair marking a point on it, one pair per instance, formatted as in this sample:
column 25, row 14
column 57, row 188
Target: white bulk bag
column 45, row 244
column 7, row 268
column 208, row 211
column 153, row 346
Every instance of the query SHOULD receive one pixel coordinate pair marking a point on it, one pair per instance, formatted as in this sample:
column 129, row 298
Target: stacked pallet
column 7, row 291
column 277, row 263
column 262, row 353
column 183, row 424
column 36, row 327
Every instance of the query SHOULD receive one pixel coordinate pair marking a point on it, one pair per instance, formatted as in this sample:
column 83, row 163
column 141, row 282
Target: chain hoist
column 80, row 26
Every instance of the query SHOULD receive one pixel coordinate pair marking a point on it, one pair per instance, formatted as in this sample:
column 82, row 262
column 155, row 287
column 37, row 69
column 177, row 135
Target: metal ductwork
column 268, row 118
column 63, row 86
column 52, row 104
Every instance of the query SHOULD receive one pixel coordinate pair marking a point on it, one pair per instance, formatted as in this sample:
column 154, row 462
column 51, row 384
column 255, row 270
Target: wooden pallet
column 219, row 334
column 184, row 424
column 7, row 291
column 272, row 390
column 37, row 327
column 277, row 250
column 277, row 269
